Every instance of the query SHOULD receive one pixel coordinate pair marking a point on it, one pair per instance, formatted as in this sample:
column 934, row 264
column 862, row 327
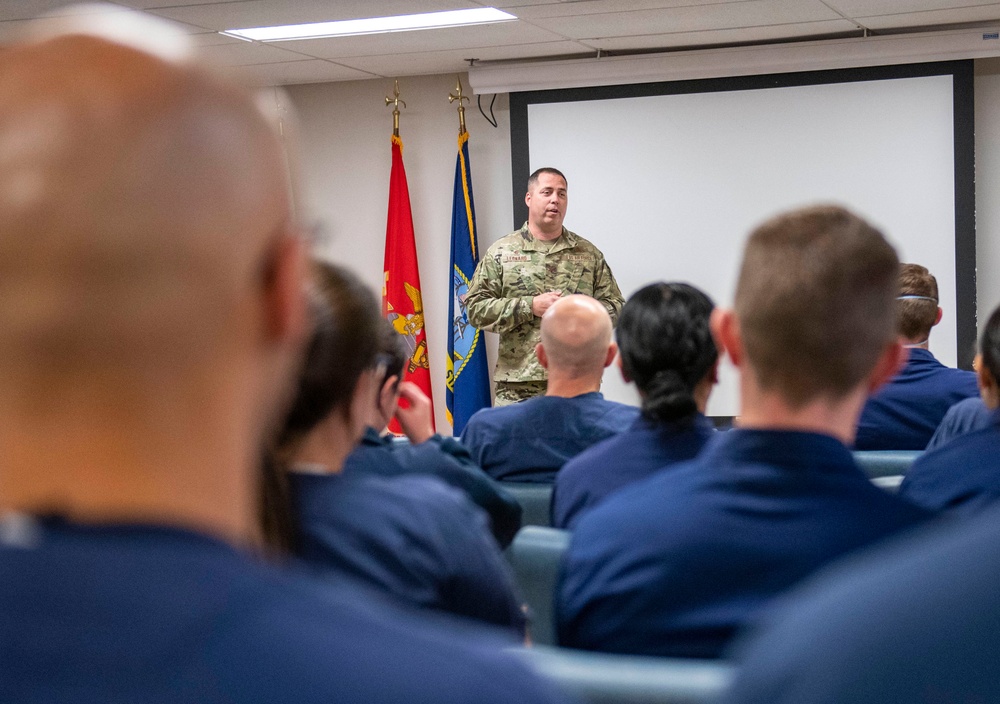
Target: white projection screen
column 667, row 179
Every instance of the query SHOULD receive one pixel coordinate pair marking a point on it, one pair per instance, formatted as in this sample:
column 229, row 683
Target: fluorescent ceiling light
column 373, row 25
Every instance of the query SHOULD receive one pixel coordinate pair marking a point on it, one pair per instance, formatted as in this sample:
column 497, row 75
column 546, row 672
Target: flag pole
column 452, row 97
column 396, row 102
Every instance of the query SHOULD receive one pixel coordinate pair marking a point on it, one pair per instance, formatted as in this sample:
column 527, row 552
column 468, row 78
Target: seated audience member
column 905, row 412
column 676, row 564
column 666, row 348
column 964, row 417
column 531, row 440
column 151, row 315
column 914, row 622
column 963, row 476
column 427, row 452
column 412, row 536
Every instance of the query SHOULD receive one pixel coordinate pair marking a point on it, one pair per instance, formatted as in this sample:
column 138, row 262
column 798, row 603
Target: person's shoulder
column 503, row 415
column 959, row 454
column 646, row 505
column 968, row 408
column 334, row 641
column 512, row 242
column 901, row 644
column 578, row 242
column 620, row 408
column 595, row 456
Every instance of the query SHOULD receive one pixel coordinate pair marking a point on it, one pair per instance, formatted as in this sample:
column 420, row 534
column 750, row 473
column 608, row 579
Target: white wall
column 987, row 91
column 345, row 130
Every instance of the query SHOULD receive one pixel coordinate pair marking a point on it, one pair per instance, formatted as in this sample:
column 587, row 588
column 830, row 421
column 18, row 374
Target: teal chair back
column 602, row 678
column 535, row 500
column 885, row 463
column 535, row 555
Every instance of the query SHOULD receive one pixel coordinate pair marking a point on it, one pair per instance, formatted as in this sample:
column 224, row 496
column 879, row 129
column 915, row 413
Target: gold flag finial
column 395, row 102
column 457, row 95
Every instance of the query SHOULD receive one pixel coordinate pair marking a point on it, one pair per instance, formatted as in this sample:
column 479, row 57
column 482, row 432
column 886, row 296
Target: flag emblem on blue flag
column 467, row 374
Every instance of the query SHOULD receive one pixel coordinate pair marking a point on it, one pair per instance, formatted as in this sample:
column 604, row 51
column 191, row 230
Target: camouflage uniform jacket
column 514, row 270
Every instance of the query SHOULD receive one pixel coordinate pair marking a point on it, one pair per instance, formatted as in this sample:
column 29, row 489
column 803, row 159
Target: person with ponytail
column 963, row 476
column 666, row 349
column 412, row 537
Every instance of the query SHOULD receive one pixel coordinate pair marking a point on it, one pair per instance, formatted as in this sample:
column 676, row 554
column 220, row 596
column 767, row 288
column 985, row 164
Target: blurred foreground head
column 150, row 282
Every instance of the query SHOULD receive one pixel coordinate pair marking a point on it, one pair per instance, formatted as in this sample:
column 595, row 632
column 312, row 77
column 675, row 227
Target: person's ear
column 543, row 358
column 725, row 329
column 888, row 365
column 388, row 397
column 988, row 388
column 286, row 316
column 612, row 353
column 621, row 368
column 937, row 318
column 527, row 198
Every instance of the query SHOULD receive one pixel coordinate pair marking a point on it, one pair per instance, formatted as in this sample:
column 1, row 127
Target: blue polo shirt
column 412, row 537
column 624, row 459
column 962, row 476
column 117, row 614
column 904, row 413
column 531, row 440
column 964, row 417
column 448, row 460
column 916, row 622
column 675, row 565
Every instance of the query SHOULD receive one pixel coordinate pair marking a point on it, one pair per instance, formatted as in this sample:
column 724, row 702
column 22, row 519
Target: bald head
column 139, row 200
column 576, row 337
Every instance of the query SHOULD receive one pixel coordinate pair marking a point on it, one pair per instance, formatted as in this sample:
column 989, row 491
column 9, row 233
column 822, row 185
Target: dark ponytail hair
column 989, row 345
column 347, row 325
column 666, row 347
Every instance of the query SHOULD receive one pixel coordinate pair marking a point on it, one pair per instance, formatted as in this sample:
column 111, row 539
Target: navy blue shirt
column 964, row 417
column 531, row 440
column 120, row 614
column 962, row 476
column 904, row 413
column 676, row 564
column 448, row 460
column 412, row 537
column 917, row 622
column 624, row 459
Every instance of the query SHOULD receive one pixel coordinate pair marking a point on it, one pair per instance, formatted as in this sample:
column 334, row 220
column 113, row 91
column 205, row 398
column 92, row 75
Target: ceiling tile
column 871, row 8
column 501, row 34
column 243, row 53
column 804, row 30
column 988, row 13
column 593, row 7
column 457, row 60
column 265, row 13
column 289, row 72
column 690, row 19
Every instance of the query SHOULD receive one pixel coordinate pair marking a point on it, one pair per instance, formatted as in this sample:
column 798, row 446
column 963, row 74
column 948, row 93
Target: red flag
column 401, row 301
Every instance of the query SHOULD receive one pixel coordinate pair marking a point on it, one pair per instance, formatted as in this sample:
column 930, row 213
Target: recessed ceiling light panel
column 373, row 25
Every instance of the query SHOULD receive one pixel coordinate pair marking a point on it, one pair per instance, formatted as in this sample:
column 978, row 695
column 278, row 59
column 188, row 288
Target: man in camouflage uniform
column 523, row 274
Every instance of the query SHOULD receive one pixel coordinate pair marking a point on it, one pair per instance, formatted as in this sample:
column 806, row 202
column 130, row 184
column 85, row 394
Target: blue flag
column 467, row 374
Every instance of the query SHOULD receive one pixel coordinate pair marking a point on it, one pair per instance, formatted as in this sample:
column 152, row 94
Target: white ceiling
column 544, row 29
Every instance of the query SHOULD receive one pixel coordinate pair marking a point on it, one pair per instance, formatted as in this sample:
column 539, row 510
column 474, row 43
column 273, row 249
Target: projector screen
column 667, row 179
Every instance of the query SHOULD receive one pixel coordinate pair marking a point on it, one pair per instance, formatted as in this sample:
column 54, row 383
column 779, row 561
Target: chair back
column 536, row 555
column 885, row 463
column 603, row 678
column 535, row 500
